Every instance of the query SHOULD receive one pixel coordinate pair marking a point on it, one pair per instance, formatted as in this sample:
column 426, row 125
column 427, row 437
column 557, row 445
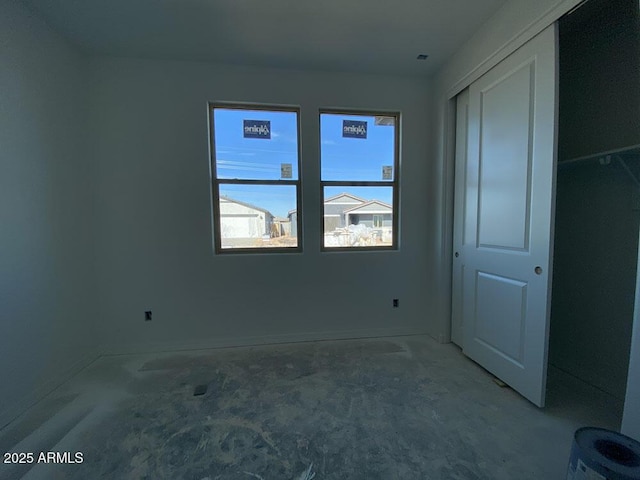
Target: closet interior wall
column 598, row 196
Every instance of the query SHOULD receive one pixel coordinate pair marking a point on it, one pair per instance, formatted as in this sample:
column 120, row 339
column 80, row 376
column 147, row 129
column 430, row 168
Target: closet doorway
column 599, row 107
column 597, row 215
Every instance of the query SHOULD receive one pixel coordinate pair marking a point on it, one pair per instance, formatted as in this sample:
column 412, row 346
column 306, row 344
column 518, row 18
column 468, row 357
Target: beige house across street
column 344, row 212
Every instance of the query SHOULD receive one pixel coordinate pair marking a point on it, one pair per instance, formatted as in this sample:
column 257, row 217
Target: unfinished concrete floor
column 393, row 408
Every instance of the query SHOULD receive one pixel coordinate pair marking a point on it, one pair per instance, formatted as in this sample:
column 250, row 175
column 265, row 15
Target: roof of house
column 344, row 194
column 245, row 204
column 387, row 208
column 337, row 210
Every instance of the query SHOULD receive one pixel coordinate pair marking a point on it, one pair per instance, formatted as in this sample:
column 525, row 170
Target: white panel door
column 505, row 257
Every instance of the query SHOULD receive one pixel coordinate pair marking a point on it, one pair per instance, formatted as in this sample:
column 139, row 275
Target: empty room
column 331, row 240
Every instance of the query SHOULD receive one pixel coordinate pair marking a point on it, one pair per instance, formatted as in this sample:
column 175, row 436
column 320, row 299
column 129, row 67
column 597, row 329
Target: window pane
column 357, row 147
column 358, row 216
column 258, row 216
column 255, row 144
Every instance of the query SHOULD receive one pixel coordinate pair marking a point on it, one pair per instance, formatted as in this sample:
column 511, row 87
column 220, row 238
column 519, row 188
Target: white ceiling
column 378, row 36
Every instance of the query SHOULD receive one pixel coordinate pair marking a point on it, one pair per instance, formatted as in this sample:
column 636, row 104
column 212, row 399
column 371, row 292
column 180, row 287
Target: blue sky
column 261, row 159
column 354, row 158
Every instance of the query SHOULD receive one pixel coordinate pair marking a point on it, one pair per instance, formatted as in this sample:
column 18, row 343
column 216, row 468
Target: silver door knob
column 538, row 270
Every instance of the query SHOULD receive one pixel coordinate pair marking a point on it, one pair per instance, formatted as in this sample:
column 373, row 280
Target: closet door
column 508, row 206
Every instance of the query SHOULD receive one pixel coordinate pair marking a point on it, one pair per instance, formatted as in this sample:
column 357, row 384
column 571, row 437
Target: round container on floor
column 600, row 454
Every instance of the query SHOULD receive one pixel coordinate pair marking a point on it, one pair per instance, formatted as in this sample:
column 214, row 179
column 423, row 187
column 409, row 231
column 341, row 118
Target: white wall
column 154, row 232
column 47, row 301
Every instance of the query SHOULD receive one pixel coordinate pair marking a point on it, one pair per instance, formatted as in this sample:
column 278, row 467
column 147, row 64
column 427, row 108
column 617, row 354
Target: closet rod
column 605, row 159
column 601, row 154
column 628, row 170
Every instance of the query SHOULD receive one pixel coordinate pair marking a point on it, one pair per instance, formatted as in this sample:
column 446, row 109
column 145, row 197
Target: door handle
column 457, row 254
column 538, row 270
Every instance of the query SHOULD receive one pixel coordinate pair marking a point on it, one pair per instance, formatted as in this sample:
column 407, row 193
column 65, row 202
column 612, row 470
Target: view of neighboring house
column 345, row 209
column 334, row 208
column 372, row 214
column 243, row 220
column 292, row 215
column 281, row 227
column 242, row 224
column 245, row 225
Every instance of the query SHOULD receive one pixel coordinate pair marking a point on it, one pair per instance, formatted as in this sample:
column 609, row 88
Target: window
column 359, row 179
column 255, row 165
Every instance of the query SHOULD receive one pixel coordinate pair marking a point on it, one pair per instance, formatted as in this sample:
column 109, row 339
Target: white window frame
column 216, row 182
column 395, row 183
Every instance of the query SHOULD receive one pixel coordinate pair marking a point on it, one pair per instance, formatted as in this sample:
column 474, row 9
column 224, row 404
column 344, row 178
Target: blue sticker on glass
column 354, row 129
column 257, row 129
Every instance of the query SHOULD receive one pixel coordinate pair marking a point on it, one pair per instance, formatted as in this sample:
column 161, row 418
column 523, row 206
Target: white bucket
column 599, row 454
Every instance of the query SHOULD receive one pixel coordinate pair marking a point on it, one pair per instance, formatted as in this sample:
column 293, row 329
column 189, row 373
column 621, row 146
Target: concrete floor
column 393, row 408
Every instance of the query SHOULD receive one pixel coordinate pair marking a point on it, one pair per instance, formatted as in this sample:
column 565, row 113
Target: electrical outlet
column 396, row 303
column 147, row 316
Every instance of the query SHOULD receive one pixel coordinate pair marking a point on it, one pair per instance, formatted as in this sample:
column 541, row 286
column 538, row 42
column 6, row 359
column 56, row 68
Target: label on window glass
column 387, row 172
column 257, row 129
column 354, row 129
column 384, row 121
column 285, row 170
